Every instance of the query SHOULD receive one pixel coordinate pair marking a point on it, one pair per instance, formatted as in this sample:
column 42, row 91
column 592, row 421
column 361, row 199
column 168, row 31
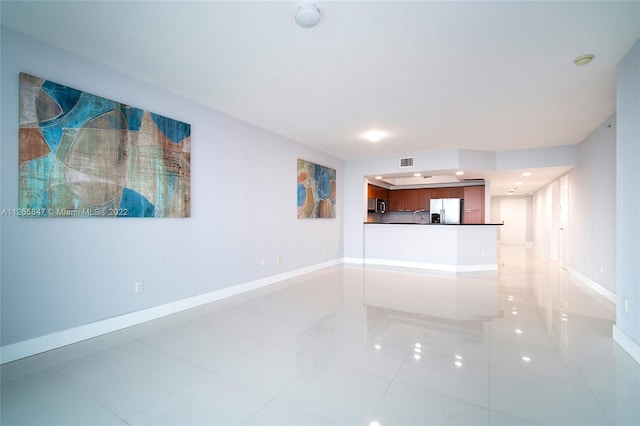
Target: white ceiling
column 435, row 75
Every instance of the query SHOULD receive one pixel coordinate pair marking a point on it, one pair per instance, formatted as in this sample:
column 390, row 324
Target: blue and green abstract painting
column 316, row 190
column 82, row 155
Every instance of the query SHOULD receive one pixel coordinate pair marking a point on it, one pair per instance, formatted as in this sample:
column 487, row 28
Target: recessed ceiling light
column 374, row 135
column 378, row 177
column 459, row 173
column 526, row 174
column 518, row 183
column 417, row 174
column 526, row 359
column 583, row 59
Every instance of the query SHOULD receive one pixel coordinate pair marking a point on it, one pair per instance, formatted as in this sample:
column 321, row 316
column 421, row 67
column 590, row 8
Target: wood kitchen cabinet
column 424, row 199
column 374, row 191
column 473, row 204
column 394, row 201
column 403, row 200
column 438, row 193
column 454, row 192
column 397, row 200
column 411, row 200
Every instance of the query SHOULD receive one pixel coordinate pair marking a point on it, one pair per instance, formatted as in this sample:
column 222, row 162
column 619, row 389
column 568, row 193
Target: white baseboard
column 354, row 260
column 431, row 266
column 605, row 292
column 627, row 343
column 58, row 339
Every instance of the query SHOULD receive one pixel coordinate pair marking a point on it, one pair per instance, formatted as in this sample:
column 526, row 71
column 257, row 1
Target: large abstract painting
column 316, row 190
column 85, row 156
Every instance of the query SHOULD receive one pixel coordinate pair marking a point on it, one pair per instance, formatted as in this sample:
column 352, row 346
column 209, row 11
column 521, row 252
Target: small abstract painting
column 82, row 155
column 316, row 191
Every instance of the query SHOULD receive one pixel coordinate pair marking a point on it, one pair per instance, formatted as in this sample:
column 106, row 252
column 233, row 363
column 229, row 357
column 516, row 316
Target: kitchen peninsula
column 451, row 248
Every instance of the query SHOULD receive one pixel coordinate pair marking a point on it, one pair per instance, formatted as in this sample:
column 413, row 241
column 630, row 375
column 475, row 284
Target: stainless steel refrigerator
column 446, row 210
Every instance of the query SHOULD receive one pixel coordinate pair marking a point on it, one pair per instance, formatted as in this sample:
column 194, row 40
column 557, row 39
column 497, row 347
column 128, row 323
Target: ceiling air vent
column 406, row 162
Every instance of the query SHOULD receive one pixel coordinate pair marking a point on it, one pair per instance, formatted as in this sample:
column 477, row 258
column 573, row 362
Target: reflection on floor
column 352, row 346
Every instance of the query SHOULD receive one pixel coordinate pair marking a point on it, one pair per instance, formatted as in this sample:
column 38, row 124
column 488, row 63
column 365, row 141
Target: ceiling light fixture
column 378, row 177
column 374, row 135
column 307, row 15
column 526, row 174
column 417, row 174
column 459, row 173
column 583, row 60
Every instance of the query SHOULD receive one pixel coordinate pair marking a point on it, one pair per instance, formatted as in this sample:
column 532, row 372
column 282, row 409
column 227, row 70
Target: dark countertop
column 433, row 224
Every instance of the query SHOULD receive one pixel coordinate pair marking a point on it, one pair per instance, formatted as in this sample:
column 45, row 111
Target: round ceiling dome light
column 307, row 15
column 583, row 60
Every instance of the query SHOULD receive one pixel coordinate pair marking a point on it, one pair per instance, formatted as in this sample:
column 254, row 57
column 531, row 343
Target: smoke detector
column 307, row 15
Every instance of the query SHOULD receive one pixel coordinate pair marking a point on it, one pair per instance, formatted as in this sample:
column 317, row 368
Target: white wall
column 63, row 273
column 592, row 200
column 591, row 192
column 627, row 331
column 496, row 217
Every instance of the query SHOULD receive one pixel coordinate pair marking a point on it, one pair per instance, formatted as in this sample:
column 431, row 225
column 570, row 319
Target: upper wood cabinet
column 438, row 193
column 454, row 192
column 396, row 200
column 409, row 200
column 424, row 199
column 404, row 200
column 377, row 192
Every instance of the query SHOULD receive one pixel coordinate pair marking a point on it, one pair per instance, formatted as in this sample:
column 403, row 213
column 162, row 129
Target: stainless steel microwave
column 377, row 205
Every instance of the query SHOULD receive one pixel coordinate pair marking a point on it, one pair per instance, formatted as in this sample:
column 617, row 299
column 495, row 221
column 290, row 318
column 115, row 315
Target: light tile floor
column 351, row 346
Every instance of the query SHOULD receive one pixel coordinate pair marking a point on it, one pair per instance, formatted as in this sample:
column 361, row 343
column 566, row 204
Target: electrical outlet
column 602, row 269
column 262, row 262
column 278, row 259
column 626, row 304
column 139, row 287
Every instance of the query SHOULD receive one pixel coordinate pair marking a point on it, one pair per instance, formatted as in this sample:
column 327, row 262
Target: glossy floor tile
column 526, row 345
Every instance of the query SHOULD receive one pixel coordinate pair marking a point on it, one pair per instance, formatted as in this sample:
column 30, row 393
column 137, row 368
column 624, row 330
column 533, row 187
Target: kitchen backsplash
column 398, row 217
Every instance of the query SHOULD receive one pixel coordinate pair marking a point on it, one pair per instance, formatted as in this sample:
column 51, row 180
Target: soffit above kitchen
column 516, row 182
column 491, row 76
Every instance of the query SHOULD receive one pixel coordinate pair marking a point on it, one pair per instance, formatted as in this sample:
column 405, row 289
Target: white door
column 514, row 215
